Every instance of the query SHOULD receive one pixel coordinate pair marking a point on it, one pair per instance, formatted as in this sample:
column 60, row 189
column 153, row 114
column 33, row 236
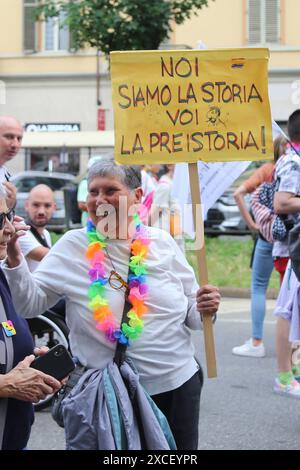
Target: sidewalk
column 232, row 306
column 245, row 293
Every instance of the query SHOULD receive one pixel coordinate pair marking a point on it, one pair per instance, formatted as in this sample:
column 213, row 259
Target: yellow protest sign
column 184, row 106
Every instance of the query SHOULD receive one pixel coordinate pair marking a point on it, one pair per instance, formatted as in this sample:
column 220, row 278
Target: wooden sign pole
column 202, row 270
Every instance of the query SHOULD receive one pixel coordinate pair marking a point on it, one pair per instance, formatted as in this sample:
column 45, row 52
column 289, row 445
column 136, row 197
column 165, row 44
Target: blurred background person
column 287, row 203
column 82, row 191
column 40, row 206
column 11, row 135
column 165, row 212
column 286, row 199
column 148, row 184
column 55, row 165
column 262, row 260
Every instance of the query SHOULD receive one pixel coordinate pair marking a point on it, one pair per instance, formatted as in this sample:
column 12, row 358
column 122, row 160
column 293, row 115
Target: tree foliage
column 119, row 24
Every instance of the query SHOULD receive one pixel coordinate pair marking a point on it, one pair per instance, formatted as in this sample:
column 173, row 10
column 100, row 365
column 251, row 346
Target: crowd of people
column 286, row 172
column 261, row 261
column 83, row 267
column 116, row 260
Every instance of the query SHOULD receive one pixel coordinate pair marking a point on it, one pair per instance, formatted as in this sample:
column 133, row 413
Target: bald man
column 11, row 134
column 40, row 207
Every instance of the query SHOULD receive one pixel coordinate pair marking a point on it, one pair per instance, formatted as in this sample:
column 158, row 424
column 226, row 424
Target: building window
column 56, row 34
column 50, row 35
column 263, row 21
column 29, row 26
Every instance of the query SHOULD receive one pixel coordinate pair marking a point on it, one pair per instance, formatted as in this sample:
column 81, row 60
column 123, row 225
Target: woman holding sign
column 117, row 257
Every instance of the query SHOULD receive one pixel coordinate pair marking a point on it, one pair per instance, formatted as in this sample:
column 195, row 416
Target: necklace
column 137, row 288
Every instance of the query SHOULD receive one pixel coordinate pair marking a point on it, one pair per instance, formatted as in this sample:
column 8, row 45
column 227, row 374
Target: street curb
column 243, row 293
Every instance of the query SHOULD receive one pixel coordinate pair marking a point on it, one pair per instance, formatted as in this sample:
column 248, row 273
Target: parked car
column 225, row 217
column 65, row 188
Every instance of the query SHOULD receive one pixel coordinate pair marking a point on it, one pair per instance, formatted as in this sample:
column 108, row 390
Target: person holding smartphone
column 20, row 385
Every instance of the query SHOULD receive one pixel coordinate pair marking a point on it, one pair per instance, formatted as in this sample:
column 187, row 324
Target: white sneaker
column 249, row 350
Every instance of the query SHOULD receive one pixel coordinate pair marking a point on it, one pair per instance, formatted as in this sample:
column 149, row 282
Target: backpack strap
column 37, row 235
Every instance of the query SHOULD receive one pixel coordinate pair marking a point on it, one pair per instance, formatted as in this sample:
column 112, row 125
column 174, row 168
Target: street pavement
column 238, row 409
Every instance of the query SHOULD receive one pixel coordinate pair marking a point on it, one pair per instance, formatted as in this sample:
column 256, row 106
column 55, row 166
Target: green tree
column 111, row 25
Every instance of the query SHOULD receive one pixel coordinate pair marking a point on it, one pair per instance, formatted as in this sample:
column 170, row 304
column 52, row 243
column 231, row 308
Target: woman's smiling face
column 106, row 194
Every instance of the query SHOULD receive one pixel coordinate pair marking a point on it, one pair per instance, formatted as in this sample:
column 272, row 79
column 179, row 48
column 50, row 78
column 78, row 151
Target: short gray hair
column 130, row 176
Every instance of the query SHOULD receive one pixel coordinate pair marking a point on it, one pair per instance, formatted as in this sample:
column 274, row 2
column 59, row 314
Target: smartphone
column 57, row 362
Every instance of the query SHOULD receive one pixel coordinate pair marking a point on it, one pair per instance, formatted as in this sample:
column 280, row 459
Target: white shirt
column 147, row 183
column 164, row 353
column 166, row 206
column 28, row 242
column 162, row 196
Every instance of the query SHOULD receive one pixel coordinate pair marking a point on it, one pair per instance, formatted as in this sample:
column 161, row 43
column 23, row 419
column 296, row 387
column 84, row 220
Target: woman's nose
column 101, row 199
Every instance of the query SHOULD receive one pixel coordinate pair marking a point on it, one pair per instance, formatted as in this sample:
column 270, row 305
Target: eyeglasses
column 6, row 215
column 116, row 281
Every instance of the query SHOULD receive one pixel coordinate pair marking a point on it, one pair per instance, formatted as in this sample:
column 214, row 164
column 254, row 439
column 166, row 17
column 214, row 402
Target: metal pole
column 98, row 77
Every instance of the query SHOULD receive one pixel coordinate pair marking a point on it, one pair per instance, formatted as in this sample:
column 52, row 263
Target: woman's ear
column 138, row 194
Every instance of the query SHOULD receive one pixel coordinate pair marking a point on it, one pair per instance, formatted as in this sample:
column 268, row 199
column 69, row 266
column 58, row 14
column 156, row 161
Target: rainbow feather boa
column 137, row 284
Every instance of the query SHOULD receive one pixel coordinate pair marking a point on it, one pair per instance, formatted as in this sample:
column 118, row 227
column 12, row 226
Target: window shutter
column 254, row 21
column 272, row 12
column 263, row 21
column 29, row 27
column 64, row 34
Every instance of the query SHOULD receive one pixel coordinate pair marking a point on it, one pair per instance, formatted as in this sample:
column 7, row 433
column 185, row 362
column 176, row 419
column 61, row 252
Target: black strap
column 119, row 359
column 120, row 352
column 7, row 175
column 37, row 235
column 119, row 356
